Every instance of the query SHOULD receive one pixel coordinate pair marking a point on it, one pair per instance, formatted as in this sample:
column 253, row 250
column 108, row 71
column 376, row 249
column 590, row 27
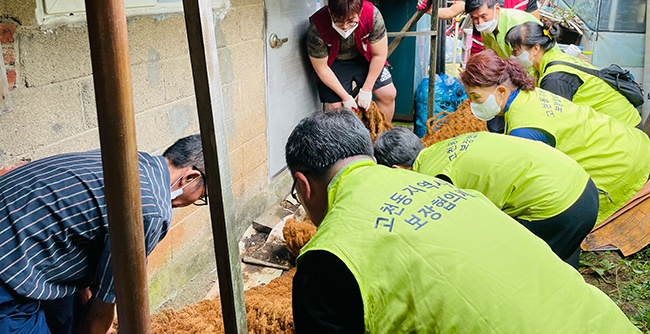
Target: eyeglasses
column 294, row 194
column 203, row 199
column 348, row 23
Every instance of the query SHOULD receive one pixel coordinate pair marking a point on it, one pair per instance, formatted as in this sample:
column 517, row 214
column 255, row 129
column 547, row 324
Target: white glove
column 364, row 98
column 350, row 104
column 422, row 5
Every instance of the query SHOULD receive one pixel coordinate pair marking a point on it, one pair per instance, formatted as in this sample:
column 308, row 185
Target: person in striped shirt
column 55, row 258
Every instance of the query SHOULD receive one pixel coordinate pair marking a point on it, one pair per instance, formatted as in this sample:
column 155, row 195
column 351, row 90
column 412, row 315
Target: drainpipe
column 109, row 51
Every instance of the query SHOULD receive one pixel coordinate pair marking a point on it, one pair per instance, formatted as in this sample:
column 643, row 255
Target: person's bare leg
column 386, row 100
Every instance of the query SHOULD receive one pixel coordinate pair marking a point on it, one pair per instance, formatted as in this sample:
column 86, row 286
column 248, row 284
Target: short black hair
column 186, row 152
column 397, row 146
column 472, row 5
column 321, row 140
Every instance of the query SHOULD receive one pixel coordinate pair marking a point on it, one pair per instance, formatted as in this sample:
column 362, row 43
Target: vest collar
column 349, row 167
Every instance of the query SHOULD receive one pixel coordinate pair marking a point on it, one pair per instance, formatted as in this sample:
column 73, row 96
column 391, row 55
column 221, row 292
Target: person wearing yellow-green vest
column 494, row 22
column 616, row 155
column 540, row 187
column 534, row 46
column 386, row 259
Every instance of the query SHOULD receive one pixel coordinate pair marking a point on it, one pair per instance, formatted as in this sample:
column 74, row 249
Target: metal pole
column 598, row 11
column 207, row 89
column 456, row 24
column 109, row 52
column 433, row 44
column 646, row 73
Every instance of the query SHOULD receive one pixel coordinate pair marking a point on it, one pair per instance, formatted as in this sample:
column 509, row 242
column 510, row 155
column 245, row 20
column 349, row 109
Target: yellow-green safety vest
column 461, row 268
column 526, row 179
column 593, row 92
column 616, row 155
column 507, row 19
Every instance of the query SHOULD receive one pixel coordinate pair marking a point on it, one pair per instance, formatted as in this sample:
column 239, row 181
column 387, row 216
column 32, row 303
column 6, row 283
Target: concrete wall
column 53, row 111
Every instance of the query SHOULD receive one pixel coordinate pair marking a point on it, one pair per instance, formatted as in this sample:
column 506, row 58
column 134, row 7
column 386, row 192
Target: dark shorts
column 348, row 71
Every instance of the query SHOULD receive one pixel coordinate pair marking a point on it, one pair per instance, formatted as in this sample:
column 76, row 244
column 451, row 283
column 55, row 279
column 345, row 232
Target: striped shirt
column 53, row 226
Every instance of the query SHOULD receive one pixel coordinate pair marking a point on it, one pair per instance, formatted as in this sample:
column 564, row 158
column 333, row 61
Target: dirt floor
column 625, row 280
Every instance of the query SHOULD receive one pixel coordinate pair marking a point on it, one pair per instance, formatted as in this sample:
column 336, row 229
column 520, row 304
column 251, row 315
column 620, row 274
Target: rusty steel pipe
column 109, row 52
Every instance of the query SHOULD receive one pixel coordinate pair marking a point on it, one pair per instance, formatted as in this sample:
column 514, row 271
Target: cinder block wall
column 54, row 112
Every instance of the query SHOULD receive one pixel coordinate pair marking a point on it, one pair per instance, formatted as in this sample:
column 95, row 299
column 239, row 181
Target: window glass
column 615, row 15
column 622, row 16
column 587, row 10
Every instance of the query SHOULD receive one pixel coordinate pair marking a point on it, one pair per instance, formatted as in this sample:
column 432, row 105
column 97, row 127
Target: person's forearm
column 379, row 54
column 451, row 11
column 330, row 80
column 376, row 66
column 97, row 317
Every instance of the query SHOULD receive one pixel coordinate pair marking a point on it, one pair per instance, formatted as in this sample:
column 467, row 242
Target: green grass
column 625, row 280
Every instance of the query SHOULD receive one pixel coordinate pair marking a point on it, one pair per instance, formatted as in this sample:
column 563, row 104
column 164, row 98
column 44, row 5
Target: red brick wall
column 7, row 31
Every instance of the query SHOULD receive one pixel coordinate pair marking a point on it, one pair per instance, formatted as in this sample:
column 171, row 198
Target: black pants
column 348, row 71
column 564, row 232
column 62, row 314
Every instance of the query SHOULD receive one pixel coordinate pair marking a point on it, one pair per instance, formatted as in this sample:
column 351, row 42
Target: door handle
column 275, row 41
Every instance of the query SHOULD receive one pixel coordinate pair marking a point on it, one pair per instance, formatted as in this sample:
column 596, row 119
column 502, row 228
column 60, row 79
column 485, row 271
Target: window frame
column 164, row 7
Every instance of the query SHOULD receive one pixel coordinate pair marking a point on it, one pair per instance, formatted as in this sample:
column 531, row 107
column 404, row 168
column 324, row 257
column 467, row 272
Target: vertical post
column 598, row 12
column 433, row 44
column 209, row 101
column 441, row 48
column 109, row 51
column 646, row 73
column 456, row 24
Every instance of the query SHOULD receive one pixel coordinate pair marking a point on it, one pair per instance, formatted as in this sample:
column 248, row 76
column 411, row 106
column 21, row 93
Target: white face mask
column 487, row 110
column 488, row 26
column 179, row 191
column 343, row 33
column 524, row 59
